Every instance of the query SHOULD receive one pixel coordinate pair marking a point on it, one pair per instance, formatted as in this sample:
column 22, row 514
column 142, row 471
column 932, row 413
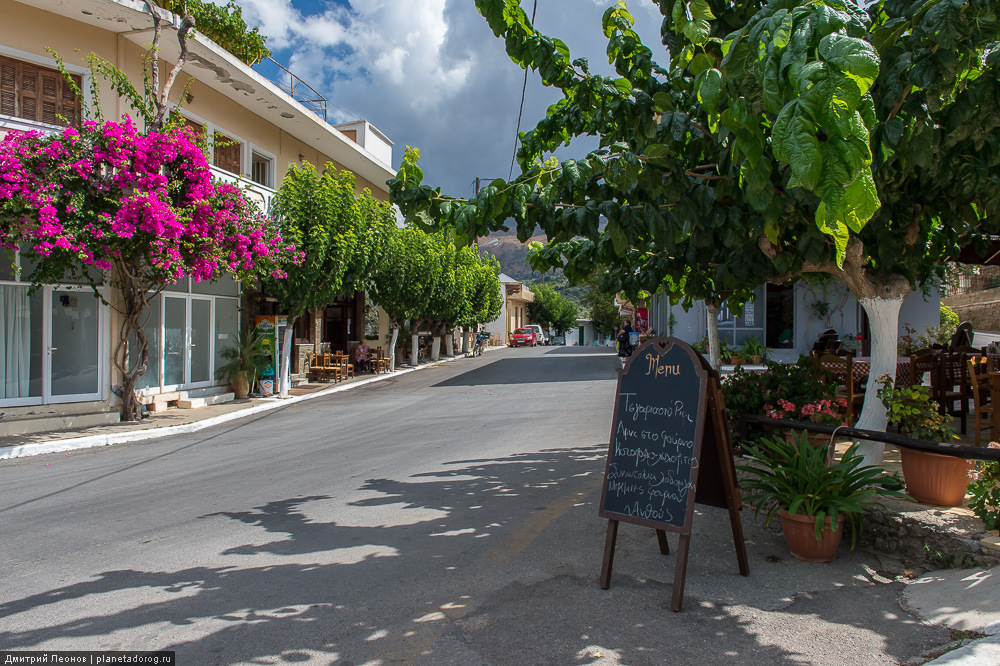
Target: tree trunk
column 285, row 382
column 465, row 341
column 712, row 321
column 415, row 346
column 435, row 347
column 883, row 318
column 392, row 346
column 134, row 314
column 449, row 343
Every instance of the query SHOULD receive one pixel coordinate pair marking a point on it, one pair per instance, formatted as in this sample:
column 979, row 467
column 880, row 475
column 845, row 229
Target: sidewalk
column 177, row 421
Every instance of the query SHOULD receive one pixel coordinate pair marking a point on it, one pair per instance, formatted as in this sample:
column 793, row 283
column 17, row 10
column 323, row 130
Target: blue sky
column 430, row 73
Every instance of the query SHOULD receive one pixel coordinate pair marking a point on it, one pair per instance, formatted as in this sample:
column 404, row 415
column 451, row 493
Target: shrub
column 984, row 491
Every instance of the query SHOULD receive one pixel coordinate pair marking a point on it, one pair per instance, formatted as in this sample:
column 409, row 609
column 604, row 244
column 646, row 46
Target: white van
column 539, row 333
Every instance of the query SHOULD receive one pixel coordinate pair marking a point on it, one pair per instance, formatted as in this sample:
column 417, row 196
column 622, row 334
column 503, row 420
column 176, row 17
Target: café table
column 862, row 367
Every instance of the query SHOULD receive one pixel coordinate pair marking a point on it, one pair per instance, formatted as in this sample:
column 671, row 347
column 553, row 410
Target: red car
column 523, row 337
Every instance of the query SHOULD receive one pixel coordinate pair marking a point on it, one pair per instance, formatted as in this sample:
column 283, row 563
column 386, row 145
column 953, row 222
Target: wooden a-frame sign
column 669, row 448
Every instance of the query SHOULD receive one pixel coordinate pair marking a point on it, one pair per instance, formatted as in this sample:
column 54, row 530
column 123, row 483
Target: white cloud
column 430, row 72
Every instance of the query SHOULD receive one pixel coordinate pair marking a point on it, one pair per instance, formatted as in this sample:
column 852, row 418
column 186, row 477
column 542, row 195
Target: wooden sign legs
column 609, row 551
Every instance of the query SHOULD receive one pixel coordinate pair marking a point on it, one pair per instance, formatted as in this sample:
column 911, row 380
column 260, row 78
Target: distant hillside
column 513, row 257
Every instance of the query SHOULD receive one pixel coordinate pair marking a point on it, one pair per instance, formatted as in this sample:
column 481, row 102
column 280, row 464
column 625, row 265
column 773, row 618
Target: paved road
column 443, row 517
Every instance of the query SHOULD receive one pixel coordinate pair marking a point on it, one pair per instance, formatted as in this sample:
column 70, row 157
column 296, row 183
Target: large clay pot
column 932, row 478
column 240, row 386
column 800, row 535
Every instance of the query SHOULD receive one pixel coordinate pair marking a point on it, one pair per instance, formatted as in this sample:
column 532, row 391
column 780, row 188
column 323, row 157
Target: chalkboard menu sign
column 668, row 404
column 656, row 436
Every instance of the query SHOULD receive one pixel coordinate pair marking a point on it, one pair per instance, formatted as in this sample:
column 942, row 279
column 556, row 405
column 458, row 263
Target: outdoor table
column 862, row 366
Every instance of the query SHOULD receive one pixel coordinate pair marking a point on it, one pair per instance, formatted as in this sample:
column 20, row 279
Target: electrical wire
column 520, row 110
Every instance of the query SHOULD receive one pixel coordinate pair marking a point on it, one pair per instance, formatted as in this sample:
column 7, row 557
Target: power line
column 521, row 109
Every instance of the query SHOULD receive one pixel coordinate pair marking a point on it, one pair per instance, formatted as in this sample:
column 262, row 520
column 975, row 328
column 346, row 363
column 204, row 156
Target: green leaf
column 700, row 63
column 860, row 202
column 855, row 57
column 794, row 141
column 709, row 88
column 657, row 152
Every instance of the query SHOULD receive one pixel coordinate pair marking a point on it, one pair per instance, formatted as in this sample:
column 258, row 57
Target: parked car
column 540, row 336
column 559, row 340
column 523, row 337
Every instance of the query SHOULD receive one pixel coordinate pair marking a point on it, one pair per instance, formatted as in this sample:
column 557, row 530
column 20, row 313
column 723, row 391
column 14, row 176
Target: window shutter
column 228, row 156
column 49, row 98
column 29, row 92
column 8, row 87
column 69, row 104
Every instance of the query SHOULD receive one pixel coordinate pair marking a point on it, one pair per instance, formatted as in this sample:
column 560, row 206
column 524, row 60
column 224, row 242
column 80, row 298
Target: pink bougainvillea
column 101, row 193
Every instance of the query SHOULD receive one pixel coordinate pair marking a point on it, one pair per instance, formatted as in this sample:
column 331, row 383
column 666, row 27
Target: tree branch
column 161, row 105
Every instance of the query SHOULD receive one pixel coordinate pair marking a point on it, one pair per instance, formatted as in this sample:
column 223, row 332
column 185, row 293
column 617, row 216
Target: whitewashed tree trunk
column 449, row 344
column 712, row 321
column 883, row 319
column 435, row 347
column 392, row 346
column 465, row 341
column 285, row 381
column 415, row 348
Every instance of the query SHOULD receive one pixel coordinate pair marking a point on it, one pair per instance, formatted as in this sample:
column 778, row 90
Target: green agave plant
column 794, row 476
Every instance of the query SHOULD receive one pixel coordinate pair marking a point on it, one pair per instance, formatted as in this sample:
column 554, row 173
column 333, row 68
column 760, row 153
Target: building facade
column 788, row 317
column 56, row 344
column 514, row 312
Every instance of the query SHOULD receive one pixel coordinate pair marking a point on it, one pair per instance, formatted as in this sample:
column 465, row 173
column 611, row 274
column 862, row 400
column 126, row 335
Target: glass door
column 174, row 341
column 201, row 341
column 74, row 348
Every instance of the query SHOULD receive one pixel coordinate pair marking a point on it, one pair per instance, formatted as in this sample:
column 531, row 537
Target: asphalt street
column 447, row 516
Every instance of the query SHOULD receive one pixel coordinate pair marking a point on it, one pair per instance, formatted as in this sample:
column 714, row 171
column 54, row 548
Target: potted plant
column 244, row 361
column 728, row 353
column 754, row 350
column 791, row 479
column 930, row 478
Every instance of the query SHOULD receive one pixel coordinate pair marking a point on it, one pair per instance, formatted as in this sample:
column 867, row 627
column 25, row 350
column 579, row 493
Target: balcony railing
column 300, row 91
column 262, row 196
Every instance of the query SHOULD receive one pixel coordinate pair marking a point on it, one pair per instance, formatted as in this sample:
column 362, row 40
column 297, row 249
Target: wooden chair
column 346, row 367
column 979, row 385
column 381, row 362
column 952, row 390
column 962, row 337
column 922, row 362
column 843, row 369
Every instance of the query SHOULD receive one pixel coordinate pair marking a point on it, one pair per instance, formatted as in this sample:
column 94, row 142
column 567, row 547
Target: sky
column 430, row 73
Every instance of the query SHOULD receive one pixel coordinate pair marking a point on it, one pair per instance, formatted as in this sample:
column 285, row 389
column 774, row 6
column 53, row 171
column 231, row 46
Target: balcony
column 260, row 195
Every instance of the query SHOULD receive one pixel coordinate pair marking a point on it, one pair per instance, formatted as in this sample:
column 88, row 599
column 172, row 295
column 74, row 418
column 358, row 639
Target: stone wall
column 982, row 308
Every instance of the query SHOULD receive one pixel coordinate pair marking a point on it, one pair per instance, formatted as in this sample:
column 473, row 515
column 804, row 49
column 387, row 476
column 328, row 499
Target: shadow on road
column 576, row 350
column 538, row 370
column 392, row 580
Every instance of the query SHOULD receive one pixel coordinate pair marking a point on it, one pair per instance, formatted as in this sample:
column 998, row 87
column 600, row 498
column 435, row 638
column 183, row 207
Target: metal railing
column 262, row 196
column 954, row 450
column 299, row 90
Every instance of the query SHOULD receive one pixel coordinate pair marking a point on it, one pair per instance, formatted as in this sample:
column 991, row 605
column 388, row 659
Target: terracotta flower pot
column 240, row 386
column 800, row 535
column 932, row 478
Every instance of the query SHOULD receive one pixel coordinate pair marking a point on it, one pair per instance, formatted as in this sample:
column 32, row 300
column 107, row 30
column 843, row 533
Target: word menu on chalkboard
column 668, row 404
column 652, row 464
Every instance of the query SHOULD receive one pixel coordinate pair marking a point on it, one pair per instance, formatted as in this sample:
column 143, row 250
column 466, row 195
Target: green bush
column 984, row 491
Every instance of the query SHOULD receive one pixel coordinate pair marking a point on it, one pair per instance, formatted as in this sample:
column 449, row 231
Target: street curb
column 73, row 444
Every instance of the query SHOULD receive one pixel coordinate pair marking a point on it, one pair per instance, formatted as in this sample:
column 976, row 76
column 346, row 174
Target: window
column 228, row 154
column 37, row 93
column 260, row 169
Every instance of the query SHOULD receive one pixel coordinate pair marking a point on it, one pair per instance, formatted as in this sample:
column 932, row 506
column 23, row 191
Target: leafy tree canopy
column 550, row 309
column 224, row 25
